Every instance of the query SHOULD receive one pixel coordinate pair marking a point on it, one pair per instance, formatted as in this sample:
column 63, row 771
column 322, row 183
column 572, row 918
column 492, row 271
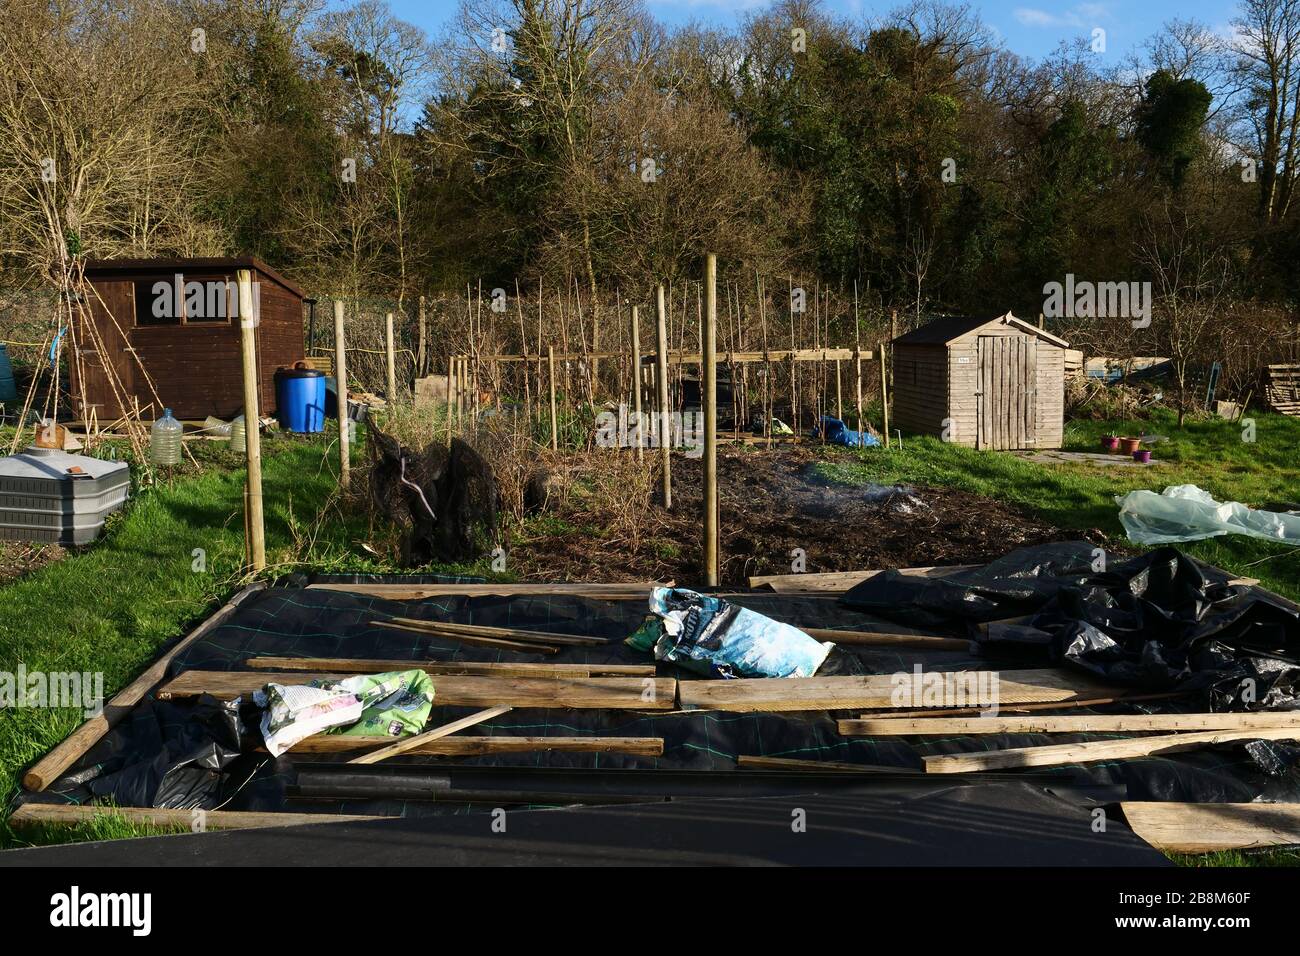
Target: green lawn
column 1207, row 453
column 109, row 608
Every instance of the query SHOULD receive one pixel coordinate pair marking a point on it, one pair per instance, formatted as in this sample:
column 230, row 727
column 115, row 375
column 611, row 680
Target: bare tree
column 1267, row 46
column 1191, row 283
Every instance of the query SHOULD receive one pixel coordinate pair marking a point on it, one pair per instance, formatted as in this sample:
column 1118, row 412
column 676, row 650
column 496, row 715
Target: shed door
column 1008, row 383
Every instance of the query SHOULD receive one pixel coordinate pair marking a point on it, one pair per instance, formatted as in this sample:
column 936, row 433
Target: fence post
column 550, row 364
column 252, row 430
column 391, row 359
column 341, row 386
column 665, row 416
column 710, row 402
column 636, row 381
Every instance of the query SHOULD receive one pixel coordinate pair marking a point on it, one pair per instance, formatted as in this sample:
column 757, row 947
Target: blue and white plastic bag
column 718, row 638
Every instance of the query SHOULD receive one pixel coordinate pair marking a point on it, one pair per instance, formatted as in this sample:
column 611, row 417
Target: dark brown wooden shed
column 981, row 382
column 175, row 322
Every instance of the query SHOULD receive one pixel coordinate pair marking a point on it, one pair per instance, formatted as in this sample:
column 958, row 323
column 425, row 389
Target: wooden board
column 50, row 767
column 1059, row 755
column 842, row 580
column 465, row 746
column 412, row 743
column 1049, row 724
column 619, row 693
column 1210, row 827
column 776, row 695
column 33, row 814
column 347, row 665
column 887, row 639
column 418, row 592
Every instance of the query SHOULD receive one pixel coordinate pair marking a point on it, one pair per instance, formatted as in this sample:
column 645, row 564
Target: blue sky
column 1028, row 27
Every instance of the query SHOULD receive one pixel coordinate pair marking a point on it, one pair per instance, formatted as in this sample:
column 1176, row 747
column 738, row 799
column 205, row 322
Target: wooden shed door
column 1008, row 377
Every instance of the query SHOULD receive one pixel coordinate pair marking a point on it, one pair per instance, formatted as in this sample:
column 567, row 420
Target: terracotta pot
column 1109, row 443
column 1129, row 445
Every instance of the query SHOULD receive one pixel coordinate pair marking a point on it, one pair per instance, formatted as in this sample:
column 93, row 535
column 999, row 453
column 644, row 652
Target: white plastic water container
column 238, row 442
column 165, row 440
column 47, row 495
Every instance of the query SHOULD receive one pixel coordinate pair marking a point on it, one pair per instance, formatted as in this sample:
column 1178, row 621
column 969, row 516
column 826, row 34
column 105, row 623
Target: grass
column 1207, row 453
column 161, row 566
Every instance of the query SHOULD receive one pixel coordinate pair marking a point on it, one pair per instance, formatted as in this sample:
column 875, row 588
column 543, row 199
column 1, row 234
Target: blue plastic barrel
column 300, row 399
column 8, row 389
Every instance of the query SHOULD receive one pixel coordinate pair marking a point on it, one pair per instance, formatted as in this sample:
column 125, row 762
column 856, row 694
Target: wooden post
column 665, row 416
column 636, row 381
column 884, row 389
column 857, row 353
column 710, row 401
column 252, row 431
column 341, row 385
column 451, row 396
column 767, row 363
column 550, row 364
column 420, row 363
column 839, row 394
column 392, row 359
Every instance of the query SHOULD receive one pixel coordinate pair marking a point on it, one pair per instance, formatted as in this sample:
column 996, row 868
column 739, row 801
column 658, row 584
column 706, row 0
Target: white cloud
column 1078, row 16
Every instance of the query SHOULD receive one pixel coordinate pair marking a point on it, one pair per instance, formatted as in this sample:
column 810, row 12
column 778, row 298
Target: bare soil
column 772, row 503
column 18, row 558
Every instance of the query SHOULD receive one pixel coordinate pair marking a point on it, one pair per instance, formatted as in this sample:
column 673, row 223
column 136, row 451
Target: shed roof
column 944, row 330
column 103, row 268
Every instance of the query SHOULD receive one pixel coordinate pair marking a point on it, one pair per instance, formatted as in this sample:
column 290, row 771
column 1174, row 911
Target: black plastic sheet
column 1160, row 620
column 180, row 757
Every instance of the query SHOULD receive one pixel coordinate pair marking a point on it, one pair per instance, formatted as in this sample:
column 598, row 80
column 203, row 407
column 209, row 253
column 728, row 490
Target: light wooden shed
column 981, row 382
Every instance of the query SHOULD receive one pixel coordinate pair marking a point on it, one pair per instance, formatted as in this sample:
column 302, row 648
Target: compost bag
column 720, row 639
column 1161, row 620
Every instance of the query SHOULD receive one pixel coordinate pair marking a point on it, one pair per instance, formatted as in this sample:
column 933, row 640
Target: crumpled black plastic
column 1161, row 620
column 175, row 763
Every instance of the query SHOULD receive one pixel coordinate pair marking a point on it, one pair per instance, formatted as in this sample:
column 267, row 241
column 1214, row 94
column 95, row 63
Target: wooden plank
column 1021, row 708
column 60, row 814
column 52, row 766
column 418, row 592
column 520, row 647
column 464, row 746
column 1090, row 723
column 844, row 580
column 887, row 639
column 347, row 665
column 619, row 693
column 1058, row 755
column 1212, row 827
column 498, row 633
column 875, row 691
column 412, row 743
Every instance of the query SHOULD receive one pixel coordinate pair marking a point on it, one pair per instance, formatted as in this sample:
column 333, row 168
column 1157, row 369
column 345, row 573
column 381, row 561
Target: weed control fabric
column 186, row 752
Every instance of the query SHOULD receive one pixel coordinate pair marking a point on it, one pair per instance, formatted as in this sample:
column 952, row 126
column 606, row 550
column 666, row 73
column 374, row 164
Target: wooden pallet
column 1282, row 388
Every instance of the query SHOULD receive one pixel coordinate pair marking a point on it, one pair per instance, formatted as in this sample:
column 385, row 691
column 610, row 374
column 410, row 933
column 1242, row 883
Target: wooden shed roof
column 947, row 329
column 101, row 268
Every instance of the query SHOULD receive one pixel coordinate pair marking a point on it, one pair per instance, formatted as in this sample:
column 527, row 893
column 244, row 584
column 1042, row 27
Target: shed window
column 192, row 300
column 155, row 303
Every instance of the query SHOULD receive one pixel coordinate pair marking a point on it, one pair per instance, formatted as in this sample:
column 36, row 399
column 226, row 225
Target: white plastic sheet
column 1188, row 513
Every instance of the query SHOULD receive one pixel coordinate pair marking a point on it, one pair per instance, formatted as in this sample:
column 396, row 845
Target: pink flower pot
column 1142, row 455
column 1109, row 443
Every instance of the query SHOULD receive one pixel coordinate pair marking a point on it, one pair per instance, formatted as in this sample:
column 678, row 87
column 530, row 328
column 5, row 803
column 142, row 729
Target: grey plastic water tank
column 42, row 499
